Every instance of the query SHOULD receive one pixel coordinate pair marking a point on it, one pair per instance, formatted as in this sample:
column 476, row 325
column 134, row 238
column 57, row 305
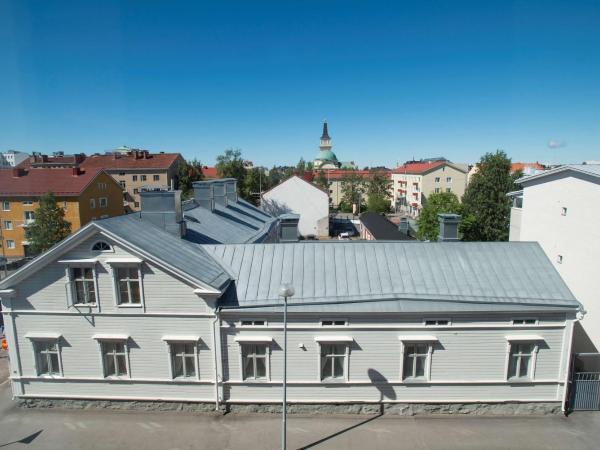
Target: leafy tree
column 379, row 184
column 353, row 189
column 188, row 172
column 231, row 165
column 300, row 167
column 49, row 226
column 321, row 180
column 378, row 204
column 444, row 202
column 255, row 183
column 486, row 208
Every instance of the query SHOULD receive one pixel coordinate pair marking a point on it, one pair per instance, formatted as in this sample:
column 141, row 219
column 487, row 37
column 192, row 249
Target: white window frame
column 170, row 340
column 10, row 243
column 563, row 211
column 525, row 339
column 27, row 202
column 125, row 341
column 72, row 290
column 156, row 177
column 253, row 323
column 346, row 377
column 103, row 202
column 427, row 340
column 110, row 249
column 449, row 180
column 5, row 205
column 34, row 342
column 8, row 225
column 92, row 203
column 437, row 179
column 268, row 345
column 114, row 264
column 28, row 213
column 143, row 177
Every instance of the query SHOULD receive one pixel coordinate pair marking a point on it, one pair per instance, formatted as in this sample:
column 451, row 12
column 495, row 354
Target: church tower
column 325, row 139
column 325, row 159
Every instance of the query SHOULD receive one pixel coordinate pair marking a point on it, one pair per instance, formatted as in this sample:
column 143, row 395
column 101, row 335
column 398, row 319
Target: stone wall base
column 399, row 409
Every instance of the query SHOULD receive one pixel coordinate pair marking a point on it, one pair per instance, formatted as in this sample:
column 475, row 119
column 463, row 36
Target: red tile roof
column 340, row 174
column 130, row 161
column 34, row 182
column 418, row 167
column 521, row 166
column 210, row 172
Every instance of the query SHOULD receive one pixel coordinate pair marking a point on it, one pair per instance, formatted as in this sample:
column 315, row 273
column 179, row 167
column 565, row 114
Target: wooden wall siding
column 459, row 355
column 163, row 293
column 148, row 352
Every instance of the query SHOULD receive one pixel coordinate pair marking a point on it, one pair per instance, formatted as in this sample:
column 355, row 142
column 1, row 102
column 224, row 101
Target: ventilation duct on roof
column 448, row 227
column 203, row 194
column 163, row 208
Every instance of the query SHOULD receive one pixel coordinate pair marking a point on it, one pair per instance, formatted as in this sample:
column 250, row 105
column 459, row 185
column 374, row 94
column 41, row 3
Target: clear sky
column 394, row 79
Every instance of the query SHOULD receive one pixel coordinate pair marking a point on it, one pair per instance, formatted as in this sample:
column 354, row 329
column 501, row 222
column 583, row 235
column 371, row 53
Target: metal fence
column 585, row 388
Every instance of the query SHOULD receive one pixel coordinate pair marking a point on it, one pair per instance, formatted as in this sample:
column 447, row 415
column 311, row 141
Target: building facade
column 295, row 195
column 84, row 196
column 148, row 316
column 136, row 169
column 12, row 158
column 414, row 181
column 560, row 209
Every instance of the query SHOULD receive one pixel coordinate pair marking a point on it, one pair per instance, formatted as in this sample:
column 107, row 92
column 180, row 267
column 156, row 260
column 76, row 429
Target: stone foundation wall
column 399, row 409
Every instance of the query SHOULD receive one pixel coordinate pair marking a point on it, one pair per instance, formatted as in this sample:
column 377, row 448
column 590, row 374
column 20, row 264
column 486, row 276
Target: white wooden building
column 298, row 196
column 124, row 310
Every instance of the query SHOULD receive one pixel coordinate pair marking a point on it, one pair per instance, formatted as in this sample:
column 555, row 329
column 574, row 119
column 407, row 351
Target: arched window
column 101, row 246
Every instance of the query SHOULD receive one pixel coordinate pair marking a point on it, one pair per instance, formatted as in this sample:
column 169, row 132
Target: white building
column 560, row 209
column 128, row 308
column 12, row 158
column 298, row 196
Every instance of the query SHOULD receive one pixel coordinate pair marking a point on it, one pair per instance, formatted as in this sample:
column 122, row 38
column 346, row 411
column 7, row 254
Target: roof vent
column 448, row 227
column 162, row 207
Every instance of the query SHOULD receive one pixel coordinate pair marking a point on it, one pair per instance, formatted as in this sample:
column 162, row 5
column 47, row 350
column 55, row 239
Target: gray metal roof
column 183, row 255
column 235, row 223
column 495, row 274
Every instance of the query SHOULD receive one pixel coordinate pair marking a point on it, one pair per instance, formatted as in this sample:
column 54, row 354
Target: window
column 437, row 190
column 448, row 179
column 143, row 177
column 102, row 186
column 5, row 205
column 92, row 203
column 83, row 285
column 437, row 179
column 333, row 323
column 559, row 259
column 128, row 285
column 437, row 322
column 136, row 204
column 183, row 359
column 122, row 184
column 28, row 215
column 521, row 360
column 448, row 189
column 65, row 205
column 563, row 211
column 103, row 202
column 134, row 177
column 136, row 191
column 121, row 174
column 101, row 246
column 253, row 323
column 156, row 177
column 10, row 243
column 47, row 359
column 416, row 361
column 114, row 358
column 27, row 202
column 8, row 225
column 524, row 321
column 254, row 361
column 333, row 361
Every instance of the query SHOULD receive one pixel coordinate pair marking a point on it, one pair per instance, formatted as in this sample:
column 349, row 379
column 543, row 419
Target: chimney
column 76, row 171
column 163, row 209
column 218, row 187
column 288, row 227
column 403, row 225
column 17, row 172
column 448, row 227
column 231, row 190
column 203, row 194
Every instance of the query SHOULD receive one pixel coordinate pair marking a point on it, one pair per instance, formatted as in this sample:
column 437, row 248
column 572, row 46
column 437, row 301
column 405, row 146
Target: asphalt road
column 60, row 429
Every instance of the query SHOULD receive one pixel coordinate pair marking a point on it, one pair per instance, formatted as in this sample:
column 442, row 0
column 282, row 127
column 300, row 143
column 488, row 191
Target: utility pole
column 286, row 290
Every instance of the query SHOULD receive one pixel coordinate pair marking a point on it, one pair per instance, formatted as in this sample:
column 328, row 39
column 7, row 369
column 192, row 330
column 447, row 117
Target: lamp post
column 285, row 290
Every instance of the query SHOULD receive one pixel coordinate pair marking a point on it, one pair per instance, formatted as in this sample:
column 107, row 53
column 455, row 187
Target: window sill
column 256, row 380
column 89, row 305
column 334, row 381
column 415, row 381
column 117, row 378
column 519, row 381
column 126, row 305
column 49, row 377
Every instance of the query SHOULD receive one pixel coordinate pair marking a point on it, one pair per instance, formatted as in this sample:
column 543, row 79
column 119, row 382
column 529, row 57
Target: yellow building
column 85, row 195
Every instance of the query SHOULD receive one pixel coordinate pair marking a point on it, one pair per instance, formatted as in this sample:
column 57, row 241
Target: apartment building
column 12, row 158
column 415, row 180
column 85, row 195
column 136, row 169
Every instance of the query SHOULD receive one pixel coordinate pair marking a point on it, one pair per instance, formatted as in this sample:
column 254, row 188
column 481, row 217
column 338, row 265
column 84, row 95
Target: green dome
column 326, row 155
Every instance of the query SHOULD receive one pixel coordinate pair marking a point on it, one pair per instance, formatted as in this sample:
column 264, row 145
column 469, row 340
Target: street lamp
column 286, row 290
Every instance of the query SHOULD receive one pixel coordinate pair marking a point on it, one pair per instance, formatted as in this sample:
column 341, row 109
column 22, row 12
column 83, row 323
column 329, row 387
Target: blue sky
column 394, row 79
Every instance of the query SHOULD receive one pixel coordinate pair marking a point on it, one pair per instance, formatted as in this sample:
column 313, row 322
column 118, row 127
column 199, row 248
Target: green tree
column 231, row 165
column 486, row 208
column 378, row 188
column 49, row 226
column 255, row 183
column 444, row 202
column 300, row 167
column 321, row 180
column 188, row 172
column 353, row 190
column 378, row 204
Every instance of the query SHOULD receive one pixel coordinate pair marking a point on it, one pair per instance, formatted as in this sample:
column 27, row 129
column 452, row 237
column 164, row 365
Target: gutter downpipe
column 216, row 360
column 570, row 361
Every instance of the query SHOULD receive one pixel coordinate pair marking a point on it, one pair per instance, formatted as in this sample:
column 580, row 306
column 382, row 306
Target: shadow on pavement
column 331, row 436
column 26, row 440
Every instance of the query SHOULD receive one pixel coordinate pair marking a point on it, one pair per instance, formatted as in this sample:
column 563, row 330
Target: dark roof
column 381, row 228
column 325, row 134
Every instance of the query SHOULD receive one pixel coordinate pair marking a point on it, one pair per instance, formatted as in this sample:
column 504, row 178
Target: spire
column 325, row 135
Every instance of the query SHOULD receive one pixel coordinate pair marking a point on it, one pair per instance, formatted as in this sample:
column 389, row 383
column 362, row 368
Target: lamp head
column 286, row 290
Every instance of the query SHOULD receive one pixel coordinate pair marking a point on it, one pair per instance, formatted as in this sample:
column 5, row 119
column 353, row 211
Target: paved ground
column 52, row 429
